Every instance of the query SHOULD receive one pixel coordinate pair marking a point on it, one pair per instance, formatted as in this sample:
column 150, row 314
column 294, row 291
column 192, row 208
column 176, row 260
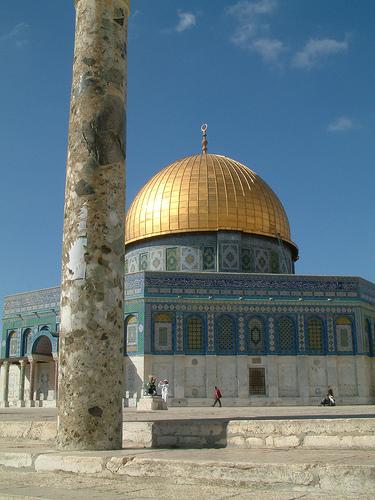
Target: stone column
column 32, row 379
column 21, row 394
column 5, row 388
column 92, row 309
column 56, row 387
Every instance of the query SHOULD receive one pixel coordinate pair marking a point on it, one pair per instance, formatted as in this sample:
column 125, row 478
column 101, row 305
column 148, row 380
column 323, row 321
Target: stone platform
column 312, row 451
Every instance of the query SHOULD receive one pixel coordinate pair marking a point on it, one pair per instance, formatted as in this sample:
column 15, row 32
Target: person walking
column 217, row 396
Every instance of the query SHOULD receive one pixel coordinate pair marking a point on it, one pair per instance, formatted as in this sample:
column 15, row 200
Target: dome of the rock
column 204, row 193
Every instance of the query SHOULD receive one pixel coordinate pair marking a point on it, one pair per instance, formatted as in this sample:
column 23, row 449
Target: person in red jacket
column 217, row 396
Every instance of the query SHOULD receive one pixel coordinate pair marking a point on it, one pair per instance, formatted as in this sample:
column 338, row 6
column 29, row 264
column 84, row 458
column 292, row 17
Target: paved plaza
column 192, row 413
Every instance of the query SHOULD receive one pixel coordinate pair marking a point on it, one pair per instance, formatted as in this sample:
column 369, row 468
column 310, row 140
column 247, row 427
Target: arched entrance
column 42, row 372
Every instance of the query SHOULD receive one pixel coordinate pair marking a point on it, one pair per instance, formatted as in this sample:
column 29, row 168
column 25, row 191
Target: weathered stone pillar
column 5, row 391
column 56, row 385
column 92, row 317
column 21, row 394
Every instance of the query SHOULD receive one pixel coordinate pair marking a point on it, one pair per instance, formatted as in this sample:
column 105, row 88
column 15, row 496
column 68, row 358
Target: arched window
column 286, row 335
column 13, row 344
column 195, row 334
column 27, row 338
column 315, row 335
column 131, row 332
column 42, row 345
column 344, row 335
column 163, row 329
column 225, row 338
column 256, row 335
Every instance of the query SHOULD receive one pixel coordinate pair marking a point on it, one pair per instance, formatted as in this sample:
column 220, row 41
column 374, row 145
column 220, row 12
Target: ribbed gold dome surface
column 206, row 192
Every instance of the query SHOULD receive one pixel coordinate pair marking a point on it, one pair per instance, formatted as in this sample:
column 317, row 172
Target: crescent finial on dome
column 204, row 128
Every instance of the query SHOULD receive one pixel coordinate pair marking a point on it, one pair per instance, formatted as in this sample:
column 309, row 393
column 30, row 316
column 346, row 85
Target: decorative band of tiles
column 235, row 308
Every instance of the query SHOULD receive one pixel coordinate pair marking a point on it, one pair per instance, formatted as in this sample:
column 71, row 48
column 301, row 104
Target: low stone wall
column 190, row 434
column 28, row 429
column 339, row 433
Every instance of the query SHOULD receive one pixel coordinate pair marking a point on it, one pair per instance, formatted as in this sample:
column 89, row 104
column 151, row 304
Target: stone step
column 337, row 433
column 349, row 472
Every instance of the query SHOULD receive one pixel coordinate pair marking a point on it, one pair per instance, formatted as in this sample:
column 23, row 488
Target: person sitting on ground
column 217, row 396
column 329, row 399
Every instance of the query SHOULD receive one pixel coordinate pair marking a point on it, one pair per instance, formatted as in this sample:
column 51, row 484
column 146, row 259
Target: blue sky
column 286, row 87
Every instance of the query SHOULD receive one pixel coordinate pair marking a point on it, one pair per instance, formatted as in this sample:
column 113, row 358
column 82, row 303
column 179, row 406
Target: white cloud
column 186, row 21
column 316, row 49
column 248, row 17
column 269, row 48
column 341, row 124
column 248, row 9
column 17, row 35
column 252, row 33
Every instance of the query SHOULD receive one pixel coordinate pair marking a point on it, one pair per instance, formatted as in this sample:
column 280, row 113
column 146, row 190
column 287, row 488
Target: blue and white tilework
column 241, row 334
column 330, row 334
column 210, row 332
column 179, row 332
column 271, row 334
column 301, row 333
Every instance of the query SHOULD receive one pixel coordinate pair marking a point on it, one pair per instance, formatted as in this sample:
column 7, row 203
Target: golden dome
column 206, row 192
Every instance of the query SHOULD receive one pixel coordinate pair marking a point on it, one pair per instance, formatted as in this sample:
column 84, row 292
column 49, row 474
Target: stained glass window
column 315, row 334
column 163, row 336
column 225, row 338
column 27, row 337
column 195, row 333
column 131, row 331
column 344, row 334
column 163, row 332
column 286, row 334
column 256, row 334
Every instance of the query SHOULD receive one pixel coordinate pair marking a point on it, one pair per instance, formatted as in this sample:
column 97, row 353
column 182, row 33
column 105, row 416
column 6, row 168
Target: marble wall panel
column 227, row 376
column 318, row 382
column 347, row 377
column 288, row 381
column 195, row 375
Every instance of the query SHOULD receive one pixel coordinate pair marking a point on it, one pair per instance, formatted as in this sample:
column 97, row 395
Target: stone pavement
column 15, row 485
column 346, row 473
column 248, row 412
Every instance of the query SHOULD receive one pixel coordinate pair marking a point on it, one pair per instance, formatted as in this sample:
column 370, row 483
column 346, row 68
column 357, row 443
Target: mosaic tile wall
column 238, row 295
column 269, row 297
column 48, row 298
column 26, row 337
column 237, row 253
column 230, row 328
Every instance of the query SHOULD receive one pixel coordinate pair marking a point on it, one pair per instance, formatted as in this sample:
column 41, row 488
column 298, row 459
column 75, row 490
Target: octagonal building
column 211, row 299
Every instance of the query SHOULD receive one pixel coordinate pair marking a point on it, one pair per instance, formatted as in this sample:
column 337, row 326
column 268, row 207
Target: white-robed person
column 163, row 384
